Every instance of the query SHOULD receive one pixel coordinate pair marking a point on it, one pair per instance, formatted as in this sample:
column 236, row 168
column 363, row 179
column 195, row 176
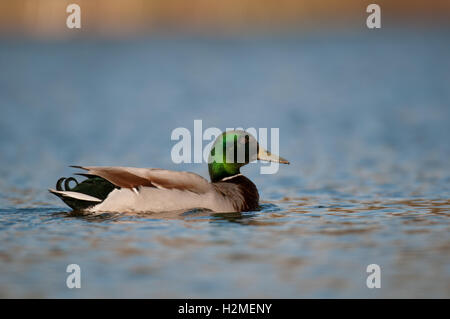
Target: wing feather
column 132, row 177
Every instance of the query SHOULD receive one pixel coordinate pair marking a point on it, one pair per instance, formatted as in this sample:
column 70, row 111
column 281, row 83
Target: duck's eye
column 244, row 139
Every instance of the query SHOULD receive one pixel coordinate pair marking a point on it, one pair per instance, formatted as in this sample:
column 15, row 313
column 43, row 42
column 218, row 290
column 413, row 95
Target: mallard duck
column 130, row 189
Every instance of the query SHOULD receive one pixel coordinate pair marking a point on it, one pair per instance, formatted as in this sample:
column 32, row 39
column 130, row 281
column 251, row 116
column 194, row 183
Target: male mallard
column 130, row 189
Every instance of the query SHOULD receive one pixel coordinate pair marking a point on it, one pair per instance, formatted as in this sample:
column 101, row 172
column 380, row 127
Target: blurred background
column 364, row 120
column 115, row 18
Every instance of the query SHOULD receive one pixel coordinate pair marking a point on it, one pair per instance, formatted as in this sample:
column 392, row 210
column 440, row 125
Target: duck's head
column 234, row 149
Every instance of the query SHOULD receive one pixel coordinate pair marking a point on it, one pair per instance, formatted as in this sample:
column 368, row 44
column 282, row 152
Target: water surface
column 364, row 121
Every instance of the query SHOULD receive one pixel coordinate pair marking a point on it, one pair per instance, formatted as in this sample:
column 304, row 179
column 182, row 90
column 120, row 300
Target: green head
column 234, row 149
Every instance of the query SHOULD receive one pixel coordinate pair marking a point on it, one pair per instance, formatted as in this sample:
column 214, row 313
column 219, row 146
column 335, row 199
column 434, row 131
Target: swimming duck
column 130, row 189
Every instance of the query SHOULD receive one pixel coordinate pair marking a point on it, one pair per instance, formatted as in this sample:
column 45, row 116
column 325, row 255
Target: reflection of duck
column 129, row 189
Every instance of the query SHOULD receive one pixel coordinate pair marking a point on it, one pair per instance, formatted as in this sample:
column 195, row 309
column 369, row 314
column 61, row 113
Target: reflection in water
column 229, row 217
column 304, row 205
column 351, row 216
column 90, row 217
column 309, row 245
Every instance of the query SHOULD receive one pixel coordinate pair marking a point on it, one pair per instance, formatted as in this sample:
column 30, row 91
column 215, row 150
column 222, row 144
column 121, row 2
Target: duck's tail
column 83, row 195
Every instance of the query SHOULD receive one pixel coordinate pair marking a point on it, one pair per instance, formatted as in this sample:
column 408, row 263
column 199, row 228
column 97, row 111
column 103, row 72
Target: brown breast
column 241, row 191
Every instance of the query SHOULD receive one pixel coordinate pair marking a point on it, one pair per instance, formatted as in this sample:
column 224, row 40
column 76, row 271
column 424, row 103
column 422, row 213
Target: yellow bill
column 265, row 155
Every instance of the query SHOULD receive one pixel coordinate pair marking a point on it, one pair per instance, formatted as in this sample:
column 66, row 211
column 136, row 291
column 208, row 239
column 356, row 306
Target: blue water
column 363, row 119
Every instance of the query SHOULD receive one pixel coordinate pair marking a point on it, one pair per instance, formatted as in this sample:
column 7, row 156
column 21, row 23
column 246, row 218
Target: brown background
column 46, row 18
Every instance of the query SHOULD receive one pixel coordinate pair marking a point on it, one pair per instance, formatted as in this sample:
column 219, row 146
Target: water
column 364, row 121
